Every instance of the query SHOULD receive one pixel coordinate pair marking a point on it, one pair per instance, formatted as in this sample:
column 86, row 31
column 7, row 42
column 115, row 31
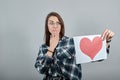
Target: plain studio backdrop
column 22, row 31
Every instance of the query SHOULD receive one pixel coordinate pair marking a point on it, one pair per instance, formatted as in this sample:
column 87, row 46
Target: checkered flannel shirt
column 62, row 63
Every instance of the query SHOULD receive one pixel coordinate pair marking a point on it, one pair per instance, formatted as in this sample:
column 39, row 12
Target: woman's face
column 54, row 25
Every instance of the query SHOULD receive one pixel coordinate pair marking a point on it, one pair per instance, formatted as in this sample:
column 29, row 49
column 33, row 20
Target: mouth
column 54, row 30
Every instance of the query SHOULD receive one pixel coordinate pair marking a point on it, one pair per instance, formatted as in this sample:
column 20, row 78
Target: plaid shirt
column 62, row 63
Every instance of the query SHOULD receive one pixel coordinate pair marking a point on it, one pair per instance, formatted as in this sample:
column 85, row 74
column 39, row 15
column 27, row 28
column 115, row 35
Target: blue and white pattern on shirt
column 62, row 63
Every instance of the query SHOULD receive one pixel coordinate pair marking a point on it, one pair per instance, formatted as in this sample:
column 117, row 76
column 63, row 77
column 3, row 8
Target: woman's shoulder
column 66, row 38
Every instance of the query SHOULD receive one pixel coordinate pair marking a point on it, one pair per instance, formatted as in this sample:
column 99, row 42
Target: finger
column 108, row 34
column 56, row 35
column 52, row 35
column 111, row 35
column 104, row 34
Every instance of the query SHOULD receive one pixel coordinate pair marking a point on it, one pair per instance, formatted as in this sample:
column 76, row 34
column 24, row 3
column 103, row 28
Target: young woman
column 56, row 57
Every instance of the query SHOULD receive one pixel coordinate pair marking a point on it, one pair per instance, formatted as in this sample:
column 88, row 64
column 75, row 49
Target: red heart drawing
column 91, row 48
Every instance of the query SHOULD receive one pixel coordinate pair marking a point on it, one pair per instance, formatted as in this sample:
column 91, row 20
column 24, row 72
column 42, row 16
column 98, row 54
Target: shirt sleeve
column 108, row 49
column 43, row 62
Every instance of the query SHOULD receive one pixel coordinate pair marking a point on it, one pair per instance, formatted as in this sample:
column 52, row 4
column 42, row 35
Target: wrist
column 51, row 49
column 108, row 41
column 49, row 54
column 108, row 45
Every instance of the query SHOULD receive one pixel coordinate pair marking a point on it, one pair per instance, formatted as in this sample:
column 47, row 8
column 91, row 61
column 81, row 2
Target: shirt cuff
column 47, row 60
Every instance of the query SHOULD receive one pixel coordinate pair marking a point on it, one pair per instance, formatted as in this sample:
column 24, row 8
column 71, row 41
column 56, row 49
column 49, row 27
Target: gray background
column 22, row 30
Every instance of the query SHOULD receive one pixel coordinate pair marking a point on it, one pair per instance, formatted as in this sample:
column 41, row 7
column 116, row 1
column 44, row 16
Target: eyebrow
column 53, row 21
column 50, row 20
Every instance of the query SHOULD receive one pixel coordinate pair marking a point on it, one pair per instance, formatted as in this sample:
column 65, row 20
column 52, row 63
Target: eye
column 51, row 23
column 58, row 23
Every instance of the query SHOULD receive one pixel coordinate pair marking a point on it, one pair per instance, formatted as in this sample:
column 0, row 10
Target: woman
column 56, row 57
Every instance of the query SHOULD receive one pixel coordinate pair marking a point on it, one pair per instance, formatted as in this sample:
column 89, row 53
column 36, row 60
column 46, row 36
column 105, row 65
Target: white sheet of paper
column 86, row 50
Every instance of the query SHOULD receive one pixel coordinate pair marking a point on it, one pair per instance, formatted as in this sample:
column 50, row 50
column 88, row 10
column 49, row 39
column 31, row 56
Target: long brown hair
column 47, row 33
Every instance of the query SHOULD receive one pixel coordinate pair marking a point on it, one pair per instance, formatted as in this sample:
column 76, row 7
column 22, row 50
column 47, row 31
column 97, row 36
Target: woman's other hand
column 108, row 35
